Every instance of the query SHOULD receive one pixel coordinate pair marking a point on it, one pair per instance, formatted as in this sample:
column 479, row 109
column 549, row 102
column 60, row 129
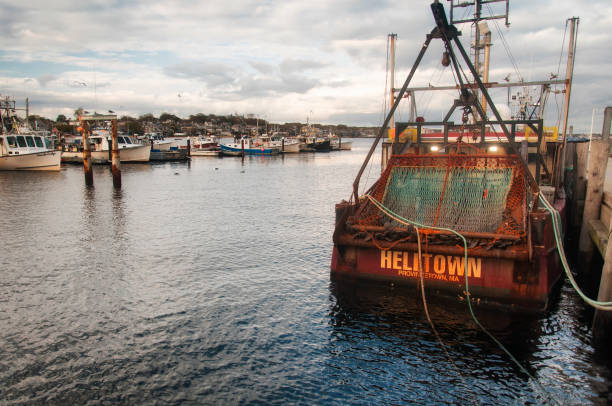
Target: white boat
column 285, row 144
column 27, row 152
column 23, row 149
column 129, row 150
column 159, row 142
column 338, row 144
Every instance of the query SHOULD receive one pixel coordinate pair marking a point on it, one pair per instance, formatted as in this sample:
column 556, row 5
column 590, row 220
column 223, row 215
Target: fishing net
column 475, row 193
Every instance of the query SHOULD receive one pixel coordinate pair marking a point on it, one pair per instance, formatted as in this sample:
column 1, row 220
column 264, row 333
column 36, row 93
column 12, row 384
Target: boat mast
column 392, row 37
column 481, row 29
column 569, row 71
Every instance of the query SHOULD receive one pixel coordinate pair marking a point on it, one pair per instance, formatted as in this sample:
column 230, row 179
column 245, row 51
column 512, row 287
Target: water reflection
column 388, row 326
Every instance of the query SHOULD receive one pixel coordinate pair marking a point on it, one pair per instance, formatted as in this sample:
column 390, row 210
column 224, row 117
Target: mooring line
column 433, row 327
column 415, row 224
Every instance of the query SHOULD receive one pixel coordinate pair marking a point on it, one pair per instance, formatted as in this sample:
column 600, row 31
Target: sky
column 284, row 61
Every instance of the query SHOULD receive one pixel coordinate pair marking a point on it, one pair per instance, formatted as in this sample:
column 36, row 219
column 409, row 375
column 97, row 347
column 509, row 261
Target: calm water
column 208, row 283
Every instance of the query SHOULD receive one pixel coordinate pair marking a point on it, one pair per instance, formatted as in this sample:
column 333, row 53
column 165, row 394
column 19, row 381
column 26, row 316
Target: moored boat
column 248, row 146
column 469, row 216
column 24, row 150
column 129, row 149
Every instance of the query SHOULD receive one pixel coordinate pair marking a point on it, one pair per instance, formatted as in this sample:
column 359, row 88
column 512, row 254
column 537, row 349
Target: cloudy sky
column 281, row 60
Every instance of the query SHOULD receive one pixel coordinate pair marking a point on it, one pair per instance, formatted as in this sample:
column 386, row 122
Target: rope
column 415, row 224
column 556, row 217
column 433, row 327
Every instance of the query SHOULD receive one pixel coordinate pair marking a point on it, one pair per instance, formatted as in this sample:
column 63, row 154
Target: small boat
column 338, row 144
column 204, row 146
column 288, row 145
column 158, row 141
column 248, row 146
column 23, row 149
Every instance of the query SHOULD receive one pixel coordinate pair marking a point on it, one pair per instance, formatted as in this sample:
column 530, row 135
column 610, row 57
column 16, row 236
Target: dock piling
column 87, row 169
column 598, row 161
column 602, row 320
column 115, row 162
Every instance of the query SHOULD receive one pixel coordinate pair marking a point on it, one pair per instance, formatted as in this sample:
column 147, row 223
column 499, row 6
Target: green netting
column 471, row 199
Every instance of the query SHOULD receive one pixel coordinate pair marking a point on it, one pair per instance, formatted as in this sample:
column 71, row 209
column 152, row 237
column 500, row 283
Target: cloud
column 44, row 79
column 275, row 56
column 213, row 74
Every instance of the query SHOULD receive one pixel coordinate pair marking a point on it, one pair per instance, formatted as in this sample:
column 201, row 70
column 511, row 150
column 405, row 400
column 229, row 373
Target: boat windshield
column 39, row 142
column 21, row 141
column 30, row 141
column 127, row 140
column 12, row 142
column 48, row 144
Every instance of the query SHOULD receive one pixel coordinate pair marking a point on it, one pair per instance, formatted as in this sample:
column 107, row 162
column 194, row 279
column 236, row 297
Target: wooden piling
column 580, row 160
column 189, row 147
column 87, row 169
column 115, row 162
column 598, row 162
column 602, row 320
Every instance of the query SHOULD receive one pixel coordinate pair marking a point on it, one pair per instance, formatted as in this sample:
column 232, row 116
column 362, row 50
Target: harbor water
column 208, row 283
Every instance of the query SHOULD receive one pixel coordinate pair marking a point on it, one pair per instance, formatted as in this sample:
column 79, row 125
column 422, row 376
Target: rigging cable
column 506, row 46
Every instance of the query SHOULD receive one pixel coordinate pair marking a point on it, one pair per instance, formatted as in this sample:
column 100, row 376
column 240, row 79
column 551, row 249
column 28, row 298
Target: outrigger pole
column 447, row 32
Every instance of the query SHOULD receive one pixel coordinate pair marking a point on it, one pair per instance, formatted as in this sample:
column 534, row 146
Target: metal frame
column 449, row 34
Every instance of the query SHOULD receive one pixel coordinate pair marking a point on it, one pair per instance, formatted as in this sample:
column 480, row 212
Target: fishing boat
column 23, row 149
column 129, row 149
column 338, row 144
column 204, row 146
column 247, row 146
column 287, row 145
column 468, row 216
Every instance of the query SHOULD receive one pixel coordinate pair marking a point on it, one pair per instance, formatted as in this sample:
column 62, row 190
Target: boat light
column 493, row 148
column 434, row 148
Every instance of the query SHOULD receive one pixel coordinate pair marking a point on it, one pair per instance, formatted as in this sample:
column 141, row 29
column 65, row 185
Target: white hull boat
column 27, row 152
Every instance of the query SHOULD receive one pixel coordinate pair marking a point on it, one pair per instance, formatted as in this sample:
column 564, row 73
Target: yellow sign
column 408, row 133
column 550, row 134
column 441, row 267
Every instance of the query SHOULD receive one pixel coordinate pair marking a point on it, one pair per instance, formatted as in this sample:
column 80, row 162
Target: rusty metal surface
column 518, row 253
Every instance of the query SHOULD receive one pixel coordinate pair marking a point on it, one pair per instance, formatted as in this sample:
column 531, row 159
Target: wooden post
column 580, row 170
column 598, row 161
column 602, row 321
column 283, row 144
column 115, row 161
column 188, row 147
column 87, row 169
column 242, row 143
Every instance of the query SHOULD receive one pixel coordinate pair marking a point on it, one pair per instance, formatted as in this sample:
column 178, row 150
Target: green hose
column 605, row 306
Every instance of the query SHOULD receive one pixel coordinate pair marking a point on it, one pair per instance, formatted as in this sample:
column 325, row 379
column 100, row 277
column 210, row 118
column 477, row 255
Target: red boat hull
column 499, row 277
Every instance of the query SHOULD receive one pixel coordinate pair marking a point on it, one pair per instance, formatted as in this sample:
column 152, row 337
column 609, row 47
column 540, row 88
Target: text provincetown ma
column 441, row 267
